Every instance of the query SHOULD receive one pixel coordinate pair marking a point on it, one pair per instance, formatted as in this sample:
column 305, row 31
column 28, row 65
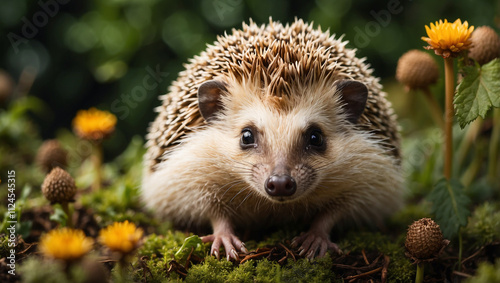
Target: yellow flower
column 121, row 237
column 94, row 124
column 65, row 244
column 448, row 39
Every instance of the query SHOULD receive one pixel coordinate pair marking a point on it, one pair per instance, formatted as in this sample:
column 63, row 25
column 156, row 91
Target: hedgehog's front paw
column 231, row 244
column 314, row 244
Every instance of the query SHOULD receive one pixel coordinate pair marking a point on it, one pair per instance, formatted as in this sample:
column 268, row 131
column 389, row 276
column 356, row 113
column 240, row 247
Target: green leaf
column 192, row 244
column 59, row 215
column 24, row 228
column 478, row 91
column 450, row 205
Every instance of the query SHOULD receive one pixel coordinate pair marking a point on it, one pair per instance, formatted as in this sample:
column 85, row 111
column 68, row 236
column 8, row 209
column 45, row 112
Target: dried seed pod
column 417, row 69
column 485, row 45
column 424, row 239
column 51, row 155
column 59, row 186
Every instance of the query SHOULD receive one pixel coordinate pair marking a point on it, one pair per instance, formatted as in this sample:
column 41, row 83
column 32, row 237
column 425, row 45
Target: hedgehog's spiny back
column 278, row 57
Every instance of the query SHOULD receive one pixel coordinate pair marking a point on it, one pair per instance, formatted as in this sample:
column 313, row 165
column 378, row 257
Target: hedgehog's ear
column 209, row 98
column 353, row 94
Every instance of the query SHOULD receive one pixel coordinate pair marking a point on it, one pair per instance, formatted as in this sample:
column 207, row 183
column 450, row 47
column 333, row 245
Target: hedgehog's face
column 282, row 153
column 283, row 143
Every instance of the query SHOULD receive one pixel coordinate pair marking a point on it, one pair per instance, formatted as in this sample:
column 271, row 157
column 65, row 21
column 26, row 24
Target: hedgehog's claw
column 314, row 244
column 232, row 245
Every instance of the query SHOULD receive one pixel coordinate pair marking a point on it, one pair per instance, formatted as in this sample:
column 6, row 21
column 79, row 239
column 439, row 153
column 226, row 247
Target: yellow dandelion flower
column 121, row 237
column 65, row 244
column 448, row 39
column 94, row 124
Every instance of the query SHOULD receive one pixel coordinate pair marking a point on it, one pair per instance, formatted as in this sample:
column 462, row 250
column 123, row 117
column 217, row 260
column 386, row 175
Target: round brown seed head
column 51, row 155
column 59, row 186
column 424, row 239
column 485, row 45
column 417, row 69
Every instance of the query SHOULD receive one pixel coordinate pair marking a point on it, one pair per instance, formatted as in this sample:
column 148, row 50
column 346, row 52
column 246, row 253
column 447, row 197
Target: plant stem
column 436, row 111
column 97, row 158
column 69, row 220
column 26, row 80
column 448, row 118
column 420, row 273
column 493, row 149
column 121, row 267
column 460, row 245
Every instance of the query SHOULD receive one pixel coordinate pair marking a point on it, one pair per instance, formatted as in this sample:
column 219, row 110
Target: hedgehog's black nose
column 280, row 185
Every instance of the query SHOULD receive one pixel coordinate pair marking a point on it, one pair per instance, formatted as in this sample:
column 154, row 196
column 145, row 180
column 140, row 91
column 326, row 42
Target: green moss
column 267, row 271
column 162, row 245
column 211, row 270
column 244, row 273
column 400, row 268
column 356, row 241
column 158, row 251
column 192, row 245
column 4, row 246
column 484, row 224
column 304, row 270
column 155, row 271
column 486, row 273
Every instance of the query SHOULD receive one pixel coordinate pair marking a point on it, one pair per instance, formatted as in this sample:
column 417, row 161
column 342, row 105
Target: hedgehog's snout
column 280, row 185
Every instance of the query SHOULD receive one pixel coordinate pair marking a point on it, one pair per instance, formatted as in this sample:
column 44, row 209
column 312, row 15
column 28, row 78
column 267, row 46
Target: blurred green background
column 98, row 53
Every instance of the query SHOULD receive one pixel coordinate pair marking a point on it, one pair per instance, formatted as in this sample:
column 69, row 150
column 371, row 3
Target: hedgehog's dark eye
column 247, row 139
column 315, row 139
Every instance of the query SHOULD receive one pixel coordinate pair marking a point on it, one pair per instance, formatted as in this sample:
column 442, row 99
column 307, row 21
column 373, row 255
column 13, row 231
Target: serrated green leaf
column 478, row 92
column 450, row 206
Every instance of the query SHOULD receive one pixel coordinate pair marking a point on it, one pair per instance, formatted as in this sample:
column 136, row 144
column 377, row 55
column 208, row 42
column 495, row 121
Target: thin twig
column 360, row 268
column 473, row 255
column 289, row 251
column 353, row 277
column 249, row 257
column 463, row 274
column 189, row 258
column 364, row 257
column 383, row 277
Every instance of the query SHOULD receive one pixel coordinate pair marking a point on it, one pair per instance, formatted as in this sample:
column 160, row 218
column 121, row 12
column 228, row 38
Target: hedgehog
column 273, row 125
